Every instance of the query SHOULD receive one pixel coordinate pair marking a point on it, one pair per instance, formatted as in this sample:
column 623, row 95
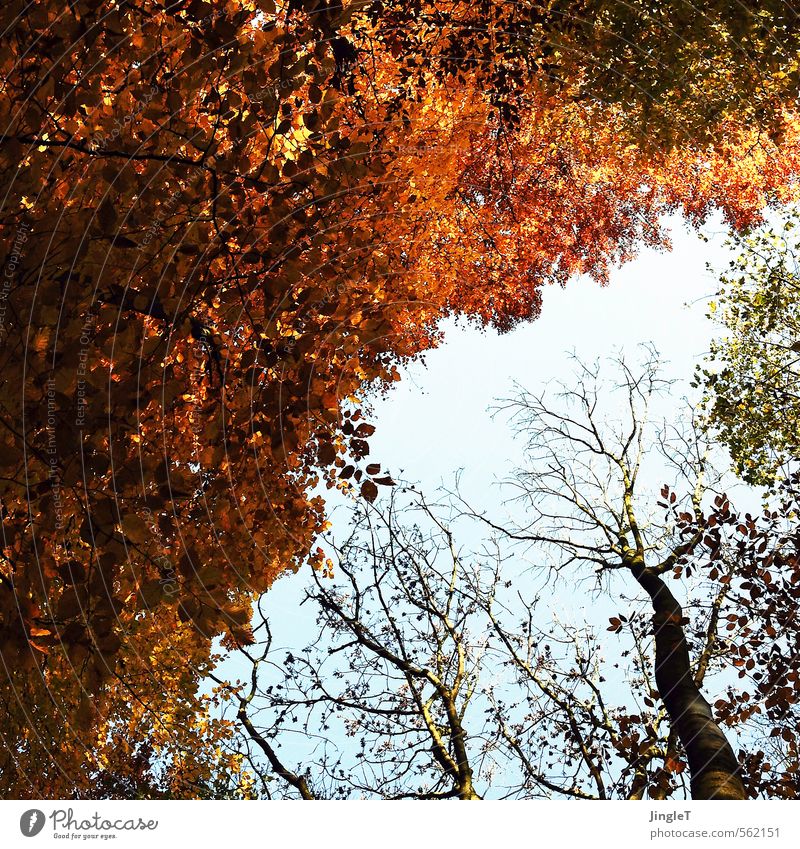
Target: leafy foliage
column 751, row 380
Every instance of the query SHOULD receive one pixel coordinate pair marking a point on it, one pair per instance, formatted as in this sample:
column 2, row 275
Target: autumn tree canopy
column 222, row 221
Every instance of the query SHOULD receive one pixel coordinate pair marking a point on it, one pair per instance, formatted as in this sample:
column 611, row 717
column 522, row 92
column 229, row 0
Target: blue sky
column 435, row 421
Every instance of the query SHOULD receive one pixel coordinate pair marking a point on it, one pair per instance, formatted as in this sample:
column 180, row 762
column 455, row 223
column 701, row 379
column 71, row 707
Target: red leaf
column 369, row 491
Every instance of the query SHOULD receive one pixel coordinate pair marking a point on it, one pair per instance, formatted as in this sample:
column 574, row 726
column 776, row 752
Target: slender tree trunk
column 713, row 765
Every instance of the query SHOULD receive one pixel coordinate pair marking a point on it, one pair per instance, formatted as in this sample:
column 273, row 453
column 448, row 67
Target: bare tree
column 449, row 658
column 582, row 490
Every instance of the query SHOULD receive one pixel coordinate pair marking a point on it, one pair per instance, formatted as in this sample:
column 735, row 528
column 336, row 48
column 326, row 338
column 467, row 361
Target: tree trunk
column 713, row 765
